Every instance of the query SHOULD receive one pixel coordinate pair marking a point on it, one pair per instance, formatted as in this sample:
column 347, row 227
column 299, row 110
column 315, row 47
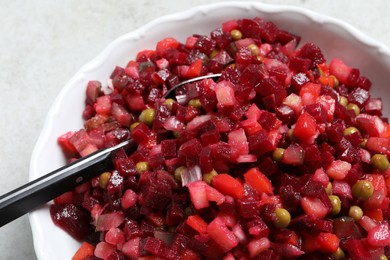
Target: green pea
column 350, row 130
column 363, row 144
column 195, row 103
column 169, row 103
column 254, row 49
column 208, row 177
column 362, row 189
column 103, row 179
column 339, row 254
column 133, row 125
column 236, row 34
column 329, row 188
column 343, row 101
column 147, row 116
column 282, row 218
column 380, row 162
column 142, row 167
column 277, row 155
column 353, row 107
column 355, row 212
column 336, row 82
column 336, row 203
column 178, row 172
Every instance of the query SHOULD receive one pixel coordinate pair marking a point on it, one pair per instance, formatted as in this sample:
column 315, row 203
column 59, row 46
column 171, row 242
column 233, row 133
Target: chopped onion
column 107, row 90
column 182, row 99
column 191, row 174
column 173, row 124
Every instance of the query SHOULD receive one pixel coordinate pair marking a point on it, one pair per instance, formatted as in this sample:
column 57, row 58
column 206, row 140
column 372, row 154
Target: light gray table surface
column 43, row 43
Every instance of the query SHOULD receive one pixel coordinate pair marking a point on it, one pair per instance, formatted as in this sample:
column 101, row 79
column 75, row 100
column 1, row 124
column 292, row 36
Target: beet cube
column 205, row 160
column 125, row 167
column 72, row 219
column 286, row 114
column 299, row 64
column 158, row 196
column 131, row 229
column 221, row 38
column 317, row 111
column 205, row 45
column 298, row 80
column 168, row 148
column 259, row 143
column 269, row 121
column 359, row 97
column 312, row 52
column 257, row 227
column 247, row 207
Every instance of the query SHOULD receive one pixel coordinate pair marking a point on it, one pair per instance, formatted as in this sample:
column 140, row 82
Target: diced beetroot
column 359, row 97
column 262, row 142
column 93, row 91
column 312, row 52
column 356, row 249
column 288, row 250
column 379, row 235
column 72, row 219
column 343, row 227
column 143, row 135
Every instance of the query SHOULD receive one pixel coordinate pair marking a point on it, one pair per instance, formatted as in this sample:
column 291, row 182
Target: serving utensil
column 40, row 191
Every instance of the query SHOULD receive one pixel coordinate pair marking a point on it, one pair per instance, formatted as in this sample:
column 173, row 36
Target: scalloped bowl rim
column 39, row 227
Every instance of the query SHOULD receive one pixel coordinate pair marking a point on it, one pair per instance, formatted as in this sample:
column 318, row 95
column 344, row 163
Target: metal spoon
column 40, row 191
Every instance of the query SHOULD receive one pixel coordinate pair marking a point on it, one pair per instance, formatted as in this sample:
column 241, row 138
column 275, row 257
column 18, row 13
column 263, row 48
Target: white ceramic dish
column 336, row 39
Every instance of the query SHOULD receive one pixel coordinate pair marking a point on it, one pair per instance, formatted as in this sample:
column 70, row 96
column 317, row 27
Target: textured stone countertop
column 43, row 44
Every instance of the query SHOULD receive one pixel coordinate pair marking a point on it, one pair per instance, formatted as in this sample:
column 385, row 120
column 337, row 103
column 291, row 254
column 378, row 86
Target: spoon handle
column 39, row 191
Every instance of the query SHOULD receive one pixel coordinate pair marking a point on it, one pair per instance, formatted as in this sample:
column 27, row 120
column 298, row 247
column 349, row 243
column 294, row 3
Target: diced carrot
column 227, row 185
column 258, row 181
column 195, row 69
column 85, row 250
column 375, row 214
column 328, row 242
column 305, row 127
column 197, row 223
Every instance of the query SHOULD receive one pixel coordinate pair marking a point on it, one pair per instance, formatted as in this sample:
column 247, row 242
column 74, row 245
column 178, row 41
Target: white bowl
column 335, row 38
